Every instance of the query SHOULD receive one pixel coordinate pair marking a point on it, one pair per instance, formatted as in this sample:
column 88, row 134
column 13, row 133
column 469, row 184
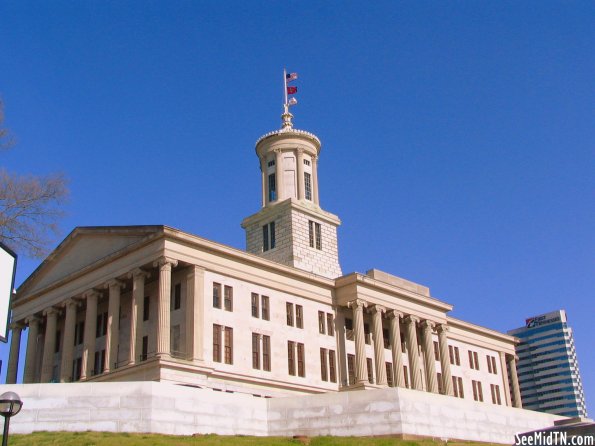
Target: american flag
column 291, row 77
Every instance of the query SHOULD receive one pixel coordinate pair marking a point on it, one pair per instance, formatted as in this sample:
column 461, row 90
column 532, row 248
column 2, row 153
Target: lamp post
column 10, row 404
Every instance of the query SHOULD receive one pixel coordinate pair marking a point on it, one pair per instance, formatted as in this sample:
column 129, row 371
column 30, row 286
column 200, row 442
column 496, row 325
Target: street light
column 10, row 404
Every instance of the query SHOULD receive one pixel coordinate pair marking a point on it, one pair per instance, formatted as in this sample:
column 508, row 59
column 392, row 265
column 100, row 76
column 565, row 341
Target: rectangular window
column 367, row 336
column 436, row 352
column 332, row 366
column 301, row 360
column 291, row 357
column 489, row 364
column 79, row 334
column 370, row 370
column 323, row 363
column 177, row 296
column 476, row 357
column 495, row 394
column 228, row 345
column 477, row 392
column 254, row 300
column 265, row 308
column 308, row 185
column 101, row 327
column 330, row 326
column 271, row 163
column 440, row 383
column 318, row 233
column 311, row 233
column 299, row 316
column 216, row 343
column 307, row 162
column 77, row 366
column 145, row 348
column 385, row 338
column 406, row 376
column 457, row 384
column 492, row 364
column 255, row 351
column 228, row 298
column 473, row 360
column 272, row 187
column 266, row 353
column 351, row 368
column 146, row 307
column 99, row 362
column 265, row 238
column 289, row 311
column 216, row 295
column 389, row 374
column 57, row 345
column 321, row 327
column 268, row 236
column 494, row 368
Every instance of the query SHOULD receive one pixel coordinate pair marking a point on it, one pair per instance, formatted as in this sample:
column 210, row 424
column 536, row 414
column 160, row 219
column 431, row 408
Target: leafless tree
column 30, row 206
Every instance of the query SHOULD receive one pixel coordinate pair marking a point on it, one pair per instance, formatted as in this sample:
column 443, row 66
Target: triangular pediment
column 84, row 247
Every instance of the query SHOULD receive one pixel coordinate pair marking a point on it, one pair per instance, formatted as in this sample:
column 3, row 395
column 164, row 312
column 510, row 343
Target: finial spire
column 286, row 116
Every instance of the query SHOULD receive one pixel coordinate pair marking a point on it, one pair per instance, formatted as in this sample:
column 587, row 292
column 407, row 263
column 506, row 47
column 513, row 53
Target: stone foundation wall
column 172, row 409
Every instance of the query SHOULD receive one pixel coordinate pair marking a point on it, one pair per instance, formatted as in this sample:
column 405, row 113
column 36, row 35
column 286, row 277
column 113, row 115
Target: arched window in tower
column 308, row 186
column 272, row 187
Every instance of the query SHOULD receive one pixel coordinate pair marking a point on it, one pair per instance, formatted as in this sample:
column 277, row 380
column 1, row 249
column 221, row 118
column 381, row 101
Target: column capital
column 426, row 324
column 392, row 314
column 442, row 328
column 377, row 309
column 411, row 319
column 32, row 319
column 136, row 272
column 51, row 311
column 163, row 261
column 114, row 283
column 68, row 302
column 17, row 325
column 510, row 357
column 356, row 303
column 91, row 293
column 278, row 150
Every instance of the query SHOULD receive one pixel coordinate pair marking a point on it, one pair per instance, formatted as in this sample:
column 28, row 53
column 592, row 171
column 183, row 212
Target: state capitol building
column 152, row 303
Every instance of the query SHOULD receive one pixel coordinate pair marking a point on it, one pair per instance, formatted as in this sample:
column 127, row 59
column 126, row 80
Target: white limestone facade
column 153, row 303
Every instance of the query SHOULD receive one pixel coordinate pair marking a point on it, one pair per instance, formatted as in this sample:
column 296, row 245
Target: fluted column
column 113, row 326
column 68, row 344
column 49, row 345
column 429, row 354
column 361, row 369
column 506, row 386
column 195, row 313
column 315, row 179
column 136, row 313
column 412, row 348
column 395, row 346
column 87, row 361
column 165, row 265
column 279, row 174
column 300, row 173
column 445, row 360
column 516, row 390
column 13, row 360
column 31, row 358
column 377, row 311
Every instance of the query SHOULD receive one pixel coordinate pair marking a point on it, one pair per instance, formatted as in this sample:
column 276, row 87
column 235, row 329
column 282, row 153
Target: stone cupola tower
column 291, row 228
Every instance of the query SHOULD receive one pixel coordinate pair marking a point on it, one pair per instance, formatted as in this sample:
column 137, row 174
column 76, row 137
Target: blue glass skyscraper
column 548, row 368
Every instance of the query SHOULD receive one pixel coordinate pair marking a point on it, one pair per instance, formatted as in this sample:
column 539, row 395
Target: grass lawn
column 124, row 439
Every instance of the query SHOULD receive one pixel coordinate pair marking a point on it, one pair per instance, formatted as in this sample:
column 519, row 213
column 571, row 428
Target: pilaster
column 194, row 313
column 516, row 390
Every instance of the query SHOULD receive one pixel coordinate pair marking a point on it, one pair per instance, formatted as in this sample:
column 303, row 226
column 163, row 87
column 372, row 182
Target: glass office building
column 548, row 368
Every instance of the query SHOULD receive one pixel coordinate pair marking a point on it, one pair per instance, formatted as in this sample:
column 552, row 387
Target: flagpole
column 285, row 89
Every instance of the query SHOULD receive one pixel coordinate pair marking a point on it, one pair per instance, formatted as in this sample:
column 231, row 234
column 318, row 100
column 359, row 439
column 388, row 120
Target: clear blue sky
column 458, row 137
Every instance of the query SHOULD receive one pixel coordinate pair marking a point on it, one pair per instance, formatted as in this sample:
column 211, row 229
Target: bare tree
column 29, row 206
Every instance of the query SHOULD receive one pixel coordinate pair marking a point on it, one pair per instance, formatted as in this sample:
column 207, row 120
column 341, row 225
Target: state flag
column 291, row 90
